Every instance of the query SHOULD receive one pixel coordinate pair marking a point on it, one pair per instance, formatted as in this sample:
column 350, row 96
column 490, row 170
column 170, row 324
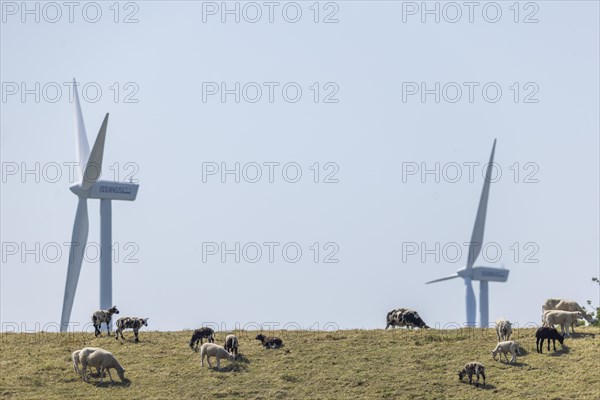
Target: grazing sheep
column 231, row 344
column 76, row 356
column 101, row 316
column 209, row 350
column 199, row 334
column 570, row 305
column 472, row 368
column 103, row 359
column 405, row 317
column 394, row 317
column 546, row 332
column 503, row 329
column 130, row 323
column 506, row 347
column 550, row 304
column 269, row 342
column 562, row 318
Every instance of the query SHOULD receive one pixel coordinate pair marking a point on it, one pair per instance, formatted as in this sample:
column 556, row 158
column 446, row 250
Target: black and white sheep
column 103, row 316
column 231, row 344
column 404, row 317
column 104, row 360
column 270, row 342
column 546, row 332
column 130, row 323
column 470, row 369
column 200, row 334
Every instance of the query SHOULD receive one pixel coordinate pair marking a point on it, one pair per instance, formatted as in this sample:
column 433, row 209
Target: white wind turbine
column 90, row 187
column 481, row 274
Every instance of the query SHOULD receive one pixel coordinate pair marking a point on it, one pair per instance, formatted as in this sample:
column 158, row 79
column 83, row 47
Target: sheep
column 130, row 323
column 199, row 334
column 209, row 350
column 231, row 344
column 404, row 317
column 472, row 368
column 550, row 304
column 269, row 342
column 503, row 329
column 506, row 347
column 546, row 332
column 394, row 317
column 101, row 316
column 562, row 318
column 103, row 359
column 570, row 305
column 76, row 356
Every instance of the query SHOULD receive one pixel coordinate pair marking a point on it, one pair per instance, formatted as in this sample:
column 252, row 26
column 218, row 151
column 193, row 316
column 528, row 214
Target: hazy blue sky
column 369, row 61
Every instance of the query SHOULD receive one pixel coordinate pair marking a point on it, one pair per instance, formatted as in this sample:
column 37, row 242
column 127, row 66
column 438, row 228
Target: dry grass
column 356, row 364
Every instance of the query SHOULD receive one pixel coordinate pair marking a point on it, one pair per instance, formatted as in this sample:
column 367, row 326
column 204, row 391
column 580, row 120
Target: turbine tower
column 90, row 187
column 481, row 274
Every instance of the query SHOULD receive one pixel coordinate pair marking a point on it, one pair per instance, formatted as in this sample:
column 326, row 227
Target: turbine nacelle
column 489, row 274
column 107, row 190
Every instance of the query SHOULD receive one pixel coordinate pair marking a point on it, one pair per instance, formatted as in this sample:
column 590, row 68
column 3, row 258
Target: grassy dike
column 351, row 364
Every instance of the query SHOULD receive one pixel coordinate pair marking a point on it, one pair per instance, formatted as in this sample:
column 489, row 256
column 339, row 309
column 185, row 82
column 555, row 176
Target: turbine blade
column 470, row 301
column 443, row 279
column 477, row 236
column 93, row 168
column 82, row 148
column 78, row 242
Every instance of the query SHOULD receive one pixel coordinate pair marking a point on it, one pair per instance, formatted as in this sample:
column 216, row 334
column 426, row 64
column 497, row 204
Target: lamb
column 506, row 347
column 199, row 334
column 130, row 323
column 472, row 368
column 546, row 332
column 76, row 356
column 269, row 342
column 231, row 344
column 562, row 318
column 101, row 316
column 209, row 350
column 503, row 329
column 570, row 305
column 103, row 359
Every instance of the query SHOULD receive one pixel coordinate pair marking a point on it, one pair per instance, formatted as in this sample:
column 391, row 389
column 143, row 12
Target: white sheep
column 209, row 350
column 503, row 329
column 76, row 356
column 562, row 318
column 104, row 360
column 506, row 347
column 570, row 305
column 550, row 304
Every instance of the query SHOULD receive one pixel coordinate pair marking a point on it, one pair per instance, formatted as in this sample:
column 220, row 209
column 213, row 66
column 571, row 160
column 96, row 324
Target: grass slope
column 355, row 364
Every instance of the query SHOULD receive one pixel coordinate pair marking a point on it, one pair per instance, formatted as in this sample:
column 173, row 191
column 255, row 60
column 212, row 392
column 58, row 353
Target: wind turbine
column 477, row 273
column 90, row 187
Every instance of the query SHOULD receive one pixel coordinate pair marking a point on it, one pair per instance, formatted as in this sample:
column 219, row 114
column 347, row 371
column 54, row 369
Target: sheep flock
column 564, row 313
